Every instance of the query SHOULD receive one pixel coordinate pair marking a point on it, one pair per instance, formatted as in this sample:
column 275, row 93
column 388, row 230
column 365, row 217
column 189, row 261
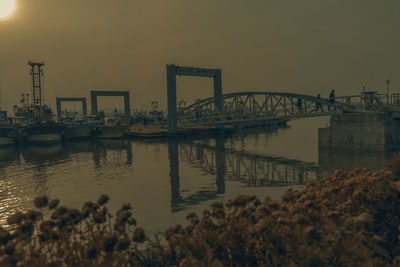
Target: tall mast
column 36, row 76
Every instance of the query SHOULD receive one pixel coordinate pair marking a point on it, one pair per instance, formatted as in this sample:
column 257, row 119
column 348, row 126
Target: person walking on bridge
column 299, row 104
column 331, row 99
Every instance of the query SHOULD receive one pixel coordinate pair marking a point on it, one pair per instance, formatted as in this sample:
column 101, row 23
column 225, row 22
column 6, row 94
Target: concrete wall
column 366, row 131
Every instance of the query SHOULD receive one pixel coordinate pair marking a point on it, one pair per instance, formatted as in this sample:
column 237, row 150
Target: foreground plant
column 348, row 219
column 72, row 237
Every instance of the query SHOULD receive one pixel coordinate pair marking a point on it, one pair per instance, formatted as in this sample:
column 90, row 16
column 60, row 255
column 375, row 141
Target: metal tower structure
column 37, row 75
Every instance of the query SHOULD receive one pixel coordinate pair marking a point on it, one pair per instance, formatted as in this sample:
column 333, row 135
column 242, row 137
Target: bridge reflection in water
column 253, row 170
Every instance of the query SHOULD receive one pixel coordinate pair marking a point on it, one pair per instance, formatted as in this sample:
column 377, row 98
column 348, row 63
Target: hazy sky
column 307, row 46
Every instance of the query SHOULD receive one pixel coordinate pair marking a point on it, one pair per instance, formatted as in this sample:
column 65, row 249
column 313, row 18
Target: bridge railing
column 372, row 102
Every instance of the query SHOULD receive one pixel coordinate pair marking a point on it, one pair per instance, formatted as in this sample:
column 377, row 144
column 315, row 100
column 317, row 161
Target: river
column 164, row 180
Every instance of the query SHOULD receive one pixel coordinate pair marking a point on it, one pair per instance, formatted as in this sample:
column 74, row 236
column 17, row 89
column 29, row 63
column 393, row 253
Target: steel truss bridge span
column 248, row 107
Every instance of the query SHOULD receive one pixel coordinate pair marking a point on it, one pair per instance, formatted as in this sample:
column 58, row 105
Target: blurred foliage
column 347, row 219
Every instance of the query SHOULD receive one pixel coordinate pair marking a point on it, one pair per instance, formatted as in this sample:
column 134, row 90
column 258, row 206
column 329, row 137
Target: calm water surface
column 165, row 180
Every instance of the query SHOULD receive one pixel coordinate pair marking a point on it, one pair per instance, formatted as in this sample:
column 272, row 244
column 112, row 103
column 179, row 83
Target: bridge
column 252, row 169
column 247, row 108
column 258, row 107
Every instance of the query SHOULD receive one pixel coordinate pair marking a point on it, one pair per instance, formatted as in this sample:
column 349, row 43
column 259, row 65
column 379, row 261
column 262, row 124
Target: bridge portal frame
column 127, row 105
column 59, row 100
column 172, row 72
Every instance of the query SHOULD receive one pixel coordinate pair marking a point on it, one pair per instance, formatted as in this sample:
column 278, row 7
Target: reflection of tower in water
column 220, row 163
column 100, row 148
column 173, row 156
column 177, row 202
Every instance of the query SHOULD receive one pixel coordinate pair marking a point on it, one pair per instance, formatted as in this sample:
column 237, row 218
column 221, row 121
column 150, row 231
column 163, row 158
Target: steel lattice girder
column 239, row 107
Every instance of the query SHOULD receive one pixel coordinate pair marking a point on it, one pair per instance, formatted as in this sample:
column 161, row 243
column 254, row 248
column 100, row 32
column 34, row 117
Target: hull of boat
column 7, row 141
column 50, row 133
column 45, row 138
column 8, row 136
column 109, row 132
column 79, row 132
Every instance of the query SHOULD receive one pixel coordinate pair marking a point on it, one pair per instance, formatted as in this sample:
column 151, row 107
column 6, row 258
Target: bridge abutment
column 375, row 131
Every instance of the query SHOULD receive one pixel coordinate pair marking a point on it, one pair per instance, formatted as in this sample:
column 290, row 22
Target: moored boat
column 109, row 131
column 79, row 131
column 78, row 128
column 8, row 135
column 8, row 132
column 42, row 133
column 111, row 128
column 35, row 121
column 36, row 125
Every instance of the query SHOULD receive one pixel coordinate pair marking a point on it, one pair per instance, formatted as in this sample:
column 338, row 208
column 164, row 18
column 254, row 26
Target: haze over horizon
column 305, row 47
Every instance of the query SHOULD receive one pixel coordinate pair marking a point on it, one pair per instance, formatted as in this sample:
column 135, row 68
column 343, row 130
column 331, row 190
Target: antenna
column 37, row 75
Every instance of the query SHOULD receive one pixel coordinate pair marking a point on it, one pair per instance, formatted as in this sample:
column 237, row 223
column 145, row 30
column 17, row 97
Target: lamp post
column 387, row 89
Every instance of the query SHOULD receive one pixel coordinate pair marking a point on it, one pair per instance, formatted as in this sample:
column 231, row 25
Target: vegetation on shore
column 347, row 219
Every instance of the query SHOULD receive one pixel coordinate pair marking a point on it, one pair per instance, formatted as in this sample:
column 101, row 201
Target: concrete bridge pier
column 369, row 131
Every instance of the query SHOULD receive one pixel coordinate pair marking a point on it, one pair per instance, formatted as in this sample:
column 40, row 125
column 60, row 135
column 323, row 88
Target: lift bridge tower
column 37, row 82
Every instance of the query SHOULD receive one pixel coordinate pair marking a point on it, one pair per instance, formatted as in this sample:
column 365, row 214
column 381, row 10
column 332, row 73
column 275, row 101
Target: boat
column 42, row 133
column 78, row 128
column 35, row 121
column 112, row 128
column 109, row 131
column 8, row 136
column 142, row 131
column 35, row 125
column 8, row 132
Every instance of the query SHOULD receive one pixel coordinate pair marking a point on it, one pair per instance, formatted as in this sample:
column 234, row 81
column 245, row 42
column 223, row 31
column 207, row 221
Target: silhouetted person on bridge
column 299, row 104
column 318, row 106
column 331, row 99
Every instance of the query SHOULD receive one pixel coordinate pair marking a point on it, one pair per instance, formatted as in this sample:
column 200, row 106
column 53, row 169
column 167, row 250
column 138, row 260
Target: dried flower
column 41, row 201
column 90, row 205
column 123, row 244
column 74, row 215
column 26, row 228
column 92, row 252
column 110, row 243
column 60, row 211
column 5, row 236
column 53, row 204
column 33, row 215
column 99, row 217
column 9, row 249
column 191, row 215
column 132, row 221
column 139, row 236
column 123, row 217
column 103, row 199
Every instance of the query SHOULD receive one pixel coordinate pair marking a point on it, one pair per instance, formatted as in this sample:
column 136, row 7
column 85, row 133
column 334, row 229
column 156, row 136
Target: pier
column 374, row 131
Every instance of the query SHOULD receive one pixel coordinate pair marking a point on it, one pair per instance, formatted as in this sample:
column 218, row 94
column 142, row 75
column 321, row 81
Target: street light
column 387, row 88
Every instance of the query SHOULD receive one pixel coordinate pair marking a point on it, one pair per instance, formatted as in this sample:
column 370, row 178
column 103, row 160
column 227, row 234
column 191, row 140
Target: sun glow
column 6, row 8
